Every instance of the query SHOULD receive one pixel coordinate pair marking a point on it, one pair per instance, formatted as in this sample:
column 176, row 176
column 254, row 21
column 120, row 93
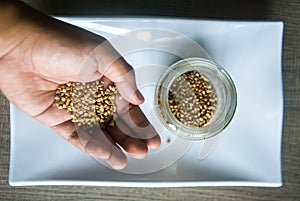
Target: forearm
column 11, row 31
column 17, row 22
column 14, row 29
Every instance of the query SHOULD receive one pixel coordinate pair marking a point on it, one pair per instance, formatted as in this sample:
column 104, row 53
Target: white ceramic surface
column 247, row 153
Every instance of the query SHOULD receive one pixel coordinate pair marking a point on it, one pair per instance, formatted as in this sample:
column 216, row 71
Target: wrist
column 14, row 30
column 8, row 26
column 15, row 25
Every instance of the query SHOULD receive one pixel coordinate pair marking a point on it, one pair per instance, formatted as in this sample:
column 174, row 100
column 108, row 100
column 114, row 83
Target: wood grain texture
column 285, row 10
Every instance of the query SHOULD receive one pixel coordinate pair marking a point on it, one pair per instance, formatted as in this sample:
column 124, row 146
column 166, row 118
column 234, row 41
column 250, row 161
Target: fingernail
column 119, row 166
column 139, row 156
column 139, row 95
column 154, row 142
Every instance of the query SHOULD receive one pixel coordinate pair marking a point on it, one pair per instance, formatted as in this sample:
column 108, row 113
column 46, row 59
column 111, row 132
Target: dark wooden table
column 284, row 10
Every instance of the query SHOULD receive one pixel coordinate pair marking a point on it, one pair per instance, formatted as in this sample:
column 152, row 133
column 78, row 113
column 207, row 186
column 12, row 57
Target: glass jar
column 225, row 92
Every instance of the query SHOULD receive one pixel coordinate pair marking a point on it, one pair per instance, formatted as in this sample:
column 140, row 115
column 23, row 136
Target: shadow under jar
column 195, row 99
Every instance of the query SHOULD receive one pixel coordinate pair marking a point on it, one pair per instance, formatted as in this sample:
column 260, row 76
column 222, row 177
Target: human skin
column 38, row 53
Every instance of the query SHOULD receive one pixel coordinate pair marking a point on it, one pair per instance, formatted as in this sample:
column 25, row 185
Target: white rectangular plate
column 247, row 153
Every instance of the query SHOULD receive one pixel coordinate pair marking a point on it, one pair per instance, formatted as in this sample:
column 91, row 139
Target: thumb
column 121, row 73
column 113, row 66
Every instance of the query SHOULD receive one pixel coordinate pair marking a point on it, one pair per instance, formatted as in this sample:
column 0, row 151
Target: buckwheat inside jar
column 192, row 99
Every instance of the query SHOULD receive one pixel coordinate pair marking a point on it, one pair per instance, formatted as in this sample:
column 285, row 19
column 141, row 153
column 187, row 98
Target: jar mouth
column 225, row 91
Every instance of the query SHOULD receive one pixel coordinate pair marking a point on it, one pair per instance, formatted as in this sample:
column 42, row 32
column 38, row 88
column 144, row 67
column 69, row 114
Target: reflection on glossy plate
column 247, row 153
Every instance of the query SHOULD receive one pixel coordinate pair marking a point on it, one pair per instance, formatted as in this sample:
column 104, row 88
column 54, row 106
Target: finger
column 123, row 75
column 137, row 122
column 135, row 147
column 114, row 67
column 153, row 142
column 98, row 147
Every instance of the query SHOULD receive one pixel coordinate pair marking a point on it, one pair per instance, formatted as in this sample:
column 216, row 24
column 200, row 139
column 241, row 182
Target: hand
column 39, row 53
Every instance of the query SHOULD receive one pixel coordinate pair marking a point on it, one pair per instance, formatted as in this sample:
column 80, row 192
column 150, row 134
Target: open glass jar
column 224, row 106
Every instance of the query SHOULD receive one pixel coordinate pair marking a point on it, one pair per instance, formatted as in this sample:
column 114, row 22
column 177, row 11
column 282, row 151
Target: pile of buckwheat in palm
column 192, row 99
column 90, row 104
